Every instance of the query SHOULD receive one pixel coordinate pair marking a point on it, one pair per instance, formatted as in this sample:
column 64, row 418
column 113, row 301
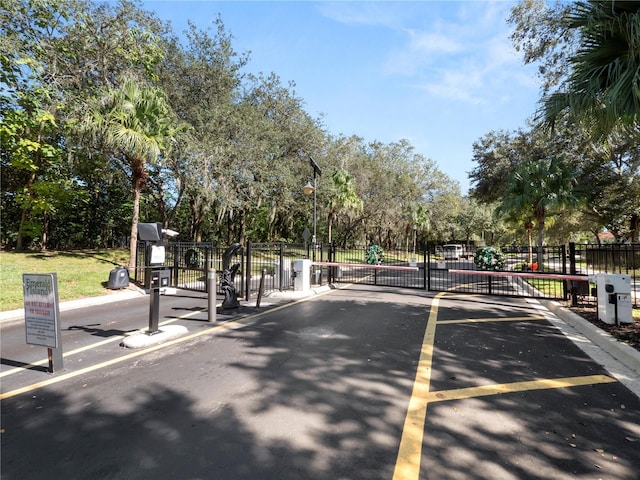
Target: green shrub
column 489, row 258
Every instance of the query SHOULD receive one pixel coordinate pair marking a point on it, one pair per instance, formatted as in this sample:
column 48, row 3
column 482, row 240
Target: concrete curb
column 124, row 294
column 166, row 333
column 628, row 356
column 294, row 295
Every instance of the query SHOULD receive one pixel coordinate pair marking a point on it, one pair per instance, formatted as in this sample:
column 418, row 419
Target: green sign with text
column 41, row 309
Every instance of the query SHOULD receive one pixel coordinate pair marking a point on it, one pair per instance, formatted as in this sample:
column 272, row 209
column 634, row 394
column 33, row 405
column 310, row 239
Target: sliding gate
column 395, row 268
column 519, row 277
column 460, row 275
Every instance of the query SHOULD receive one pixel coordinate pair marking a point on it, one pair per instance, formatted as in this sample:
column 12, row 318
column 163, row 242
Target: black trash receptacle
column 118, row 278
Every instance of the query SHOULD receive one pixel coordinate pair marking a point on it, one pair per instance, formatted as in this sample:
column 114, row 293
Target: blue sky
column 440, row 74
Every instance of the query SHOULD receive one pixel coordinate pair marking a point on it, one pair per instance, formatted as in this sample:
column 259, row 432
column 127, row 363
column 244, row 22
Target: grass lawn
column 82, row 273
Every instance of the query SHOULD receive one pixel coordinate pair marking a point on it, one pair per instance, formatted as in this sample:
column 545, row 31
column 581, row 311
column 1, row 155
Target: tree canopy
column 192, row 138
column 189, row 137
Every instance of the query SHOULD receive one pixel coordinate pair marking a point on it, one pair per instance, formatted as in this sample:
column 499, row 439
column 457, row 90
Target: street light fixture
column 308, row 189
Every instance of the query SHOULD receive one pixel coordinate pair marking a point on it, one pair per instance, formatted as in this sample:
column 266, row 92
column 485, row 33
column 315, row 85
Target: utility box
column 164, row 276
column 302, row 272
column 282, row 273
column 118, row 278
column 614, row 298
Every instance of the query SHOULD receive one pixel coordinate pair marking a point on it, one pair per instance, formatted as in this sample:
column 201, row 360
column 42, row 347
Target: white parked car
column 453, row 252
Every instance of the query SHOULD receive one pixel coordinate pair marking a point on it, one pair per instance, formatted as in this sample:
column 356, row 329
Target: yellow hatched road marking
column 410, row 450
column 500, row 388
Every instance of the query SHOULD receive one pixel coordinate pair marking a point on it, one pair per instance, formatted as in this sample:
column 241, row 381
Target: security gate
column 564, row 271
column 392, row 268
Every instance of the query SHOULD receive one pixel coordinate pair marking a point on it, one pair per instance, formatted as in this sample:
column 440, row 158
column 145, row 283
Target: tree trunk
column 44, row 237
column 540, row 242
column 133, row 245
column 23, row 219
column 23, row 215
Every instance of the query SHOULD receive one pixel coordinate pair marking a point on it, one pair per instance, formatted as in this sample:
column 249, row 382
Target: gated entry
column 561, row 274
column 396, row 268
column 455, row 274
column 520, row 276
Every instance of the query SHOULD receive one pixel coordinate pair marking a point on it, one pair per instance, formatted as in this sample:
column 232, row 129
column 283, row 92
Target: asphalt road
column 357, row 383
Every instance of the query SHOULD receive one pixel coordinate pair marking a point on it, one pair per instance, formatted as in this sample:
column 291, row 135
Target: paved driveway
column 357, row 383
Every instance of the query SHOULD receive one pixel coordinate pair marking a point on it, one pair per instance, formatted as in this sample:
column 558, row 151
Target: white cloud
column 363, row 13
column 433, row 43
column 466, row 57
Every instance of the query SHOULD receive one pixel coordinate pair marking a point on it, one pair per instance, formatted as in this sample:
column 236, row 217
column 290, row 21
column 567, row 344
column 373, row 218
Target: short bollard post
column 211, row 288
column 261, row 288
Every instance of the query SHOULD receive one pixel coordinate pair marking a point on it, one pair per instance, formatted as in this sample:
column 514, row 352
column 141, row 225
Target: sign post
column 42, row 315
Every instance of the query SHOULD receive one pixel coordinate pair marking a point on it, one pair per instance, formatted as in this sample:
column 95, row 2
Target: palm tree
column 604, row 83
column 538, row 188
column 345, row 199
column 135, row 122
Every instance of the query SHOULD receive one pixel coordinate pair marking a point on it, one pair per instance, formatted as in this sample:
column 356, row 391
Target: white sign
column 157, row 255
column 41, row 309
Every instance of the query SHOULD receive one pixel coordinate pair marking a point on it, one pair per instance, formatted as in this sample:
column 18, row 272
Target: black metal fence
column 189, row 263
column 576, row 260
column 273, row 264
column 395, row 268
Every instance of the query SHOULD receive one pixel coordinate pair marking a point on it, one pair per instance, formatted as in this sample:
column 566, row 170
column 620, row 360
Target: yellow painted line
column 499, row 389
column 407, row 465
column 494, row 319
column 410, row 450
column 139, row 353
column 45, row 361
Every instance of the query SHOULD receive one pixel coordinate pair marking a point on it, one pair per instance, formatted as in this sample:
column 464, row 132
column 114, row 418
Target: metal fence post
column 247, row 272
column 176, row 263
column 572, row 271
column 427, row 266
column 425, row 275
column 281, row 267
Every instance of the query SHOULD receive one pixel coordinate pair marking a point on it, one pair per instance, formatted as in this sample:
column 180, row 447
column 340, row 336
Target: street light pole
column 308, row 189
column 315, row 215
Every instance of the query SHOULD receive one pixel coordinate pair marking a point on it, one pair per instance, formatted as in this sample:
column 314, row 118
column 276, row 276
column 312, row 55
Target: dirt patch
column 628, row 333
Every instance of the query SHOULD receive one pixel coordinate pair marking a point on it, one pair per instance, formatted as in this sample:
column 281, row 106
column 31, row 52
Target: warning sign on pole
column 41, row 309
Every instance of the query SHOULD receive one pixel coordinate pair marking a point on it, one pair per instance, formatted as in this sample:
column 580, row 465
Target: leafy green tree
column 603, row 83
column 33, row 170
column 421, row 222
column 201, row 78
column 588, row 51
column 343, row 198
column 540, row 34
column 496, row 155
column 271, row 142
column 473, row 218
column 69, row 49
column 611, row 169
column 136, row 123
column 542, row 188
